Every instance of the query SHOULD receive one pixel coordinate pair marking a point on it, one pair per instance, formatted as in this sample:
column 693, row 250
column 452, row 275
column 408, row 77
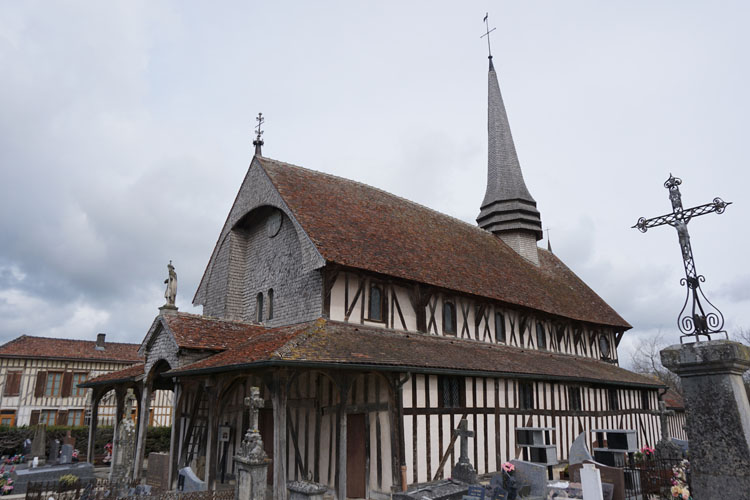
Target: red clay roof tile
column 192, row 331
column 128, row 374
column 27, row 346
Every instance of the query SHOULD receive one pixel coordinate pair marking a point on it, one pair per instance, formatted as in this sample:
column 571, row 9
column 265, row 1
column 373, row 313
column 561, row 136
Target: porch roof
column 331, row 344
column 129, row 374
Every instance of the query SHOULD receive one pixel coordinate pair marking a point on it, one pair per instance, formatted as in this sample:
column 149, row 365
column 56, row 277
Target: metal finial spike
column 258, row 142
column 487, row 34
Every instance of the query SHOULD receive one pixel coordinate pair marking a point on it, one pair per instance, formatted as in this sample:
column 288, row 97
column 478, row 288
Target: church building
column 373, row 325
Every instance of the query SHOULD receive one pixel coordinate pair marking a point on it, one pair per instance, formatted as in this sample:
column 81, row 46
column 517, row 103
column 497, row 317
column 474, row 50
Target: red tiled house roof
column 329, row 343
column 129, row 374
column 362, row 227
column 27, row 346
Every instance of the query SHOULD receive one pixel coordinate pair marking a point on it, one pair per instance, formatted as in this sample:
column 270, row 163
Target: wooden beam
column 278, row 399
column 301, row 466
column 444, row 456
column 341, row 441
column 358, row 408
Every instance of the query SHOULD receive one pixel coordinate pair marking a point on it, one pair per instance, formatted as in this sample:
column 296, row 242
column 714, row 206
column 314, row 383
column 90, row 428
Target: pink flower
column 508, row 467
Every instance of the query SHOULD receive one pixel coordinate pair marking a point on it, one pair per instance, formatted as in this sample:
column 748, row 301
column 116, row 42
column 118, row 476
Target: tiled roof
column 192, row 331
column 27, row 346
column 673, row 399
column 359, row 226
column 333, row 343
column 128, row 374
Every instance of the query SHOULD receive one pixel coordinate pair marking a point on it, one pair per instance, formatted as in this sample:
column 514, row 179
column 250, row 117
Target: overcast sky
column 126, row 129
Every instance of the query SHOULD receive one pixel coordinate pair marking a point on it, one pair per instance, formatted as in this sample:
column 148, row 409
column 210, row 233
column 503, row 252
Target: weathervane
column 702, row 319
column 487, row 34
column 258, row 142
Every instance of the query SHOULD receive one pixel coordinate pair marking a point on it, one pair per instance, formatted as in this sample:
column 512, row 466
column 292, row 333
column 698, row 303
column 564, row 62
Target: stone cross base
column 718, row 414
column 251, row 478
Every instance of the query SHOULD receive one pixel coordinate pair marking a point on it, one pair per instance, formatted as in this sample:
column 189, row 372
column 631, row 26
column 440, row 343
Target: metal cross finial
column 702, row 319
column 258, row 142
column 487, row 33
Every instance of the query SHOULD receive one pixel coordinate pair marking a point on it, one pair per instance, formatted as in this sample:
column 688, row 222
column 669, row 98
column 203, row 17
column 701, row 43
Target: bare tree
column 647, row 361
column 741, row 335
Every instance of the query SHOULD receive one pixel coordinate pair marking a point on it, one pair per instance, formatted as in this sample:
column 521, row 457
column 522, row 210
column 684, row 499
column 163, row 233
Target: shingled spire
column 508, row 210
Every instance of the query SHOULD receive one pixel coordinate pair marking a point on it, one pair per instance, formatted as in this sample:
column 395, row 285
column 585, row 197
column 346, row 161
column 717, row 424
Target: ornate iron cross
column 701, row 319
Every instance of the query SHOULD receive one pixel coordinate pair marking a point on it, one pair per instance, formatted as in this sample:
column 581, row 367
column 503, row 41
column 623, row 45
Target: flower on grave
column 508, row 468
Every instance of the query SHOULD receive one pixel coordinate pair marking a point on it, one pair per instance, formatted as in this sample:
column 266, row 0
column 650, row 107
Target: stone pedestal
column 306, row 490
column 251, row 478
column 718, row 415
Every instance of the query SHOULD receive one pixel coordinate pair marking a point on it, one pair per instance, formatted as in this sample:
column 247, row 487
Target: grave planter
column 306, row 490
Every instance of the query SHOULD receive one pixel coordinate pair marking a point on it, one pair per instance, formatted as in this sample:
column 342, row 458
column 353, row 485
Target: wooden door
column 355, row 455
column 265, row 422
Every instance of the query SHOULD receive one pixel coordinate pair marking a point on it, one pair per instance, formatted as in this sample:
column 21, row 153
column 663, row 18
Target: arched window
column 377, row 303
column 541, row 337
column 270, row 303
column 259, row 308
column 449, row 318
column 499, row 327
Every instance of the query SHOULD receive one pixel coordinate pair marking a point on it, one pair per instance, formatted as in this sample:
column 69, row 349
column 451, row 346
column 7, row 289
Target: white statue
column 171, row 292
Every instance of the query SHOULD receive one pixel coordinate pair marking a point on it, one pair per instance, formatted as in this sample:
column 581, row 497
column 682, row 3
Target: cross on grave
column 254, row 403
column 464, row 433
column 702, row 319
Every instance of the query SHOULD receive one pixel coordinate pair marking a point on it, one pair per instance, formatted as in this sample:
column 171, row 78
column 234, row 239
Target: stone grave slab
column 306, row 490
column 532, row 475
column 157, row 474
column 54, row 452
column 46, row 473
column 438, row 490
column 188, row 481
column 66, row 455
column 476, row 491
column 610, row 475
column 39, row 444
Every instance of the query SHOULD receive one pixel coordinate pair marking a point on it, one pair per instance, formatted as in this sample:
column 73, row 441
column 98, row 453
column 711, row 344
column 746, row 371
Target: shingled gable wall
column 247, row 261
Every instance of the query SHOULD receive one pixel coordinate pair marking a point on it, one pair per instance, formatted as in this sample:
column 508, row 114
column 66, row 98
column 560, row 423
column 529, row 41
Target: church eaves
column 508, row 209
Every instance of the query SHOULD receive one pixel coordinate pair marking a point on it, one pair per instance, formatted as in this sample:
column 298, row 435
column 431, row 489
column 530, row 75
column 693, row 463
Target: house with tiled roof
column 373, row 325
column 39, row 379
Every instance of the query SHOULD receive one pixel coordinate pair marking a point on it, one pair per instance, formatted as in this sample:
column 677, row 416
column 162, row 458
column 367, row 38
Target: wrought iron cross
column 487, row 34
column 258, row 142
column 702, row 319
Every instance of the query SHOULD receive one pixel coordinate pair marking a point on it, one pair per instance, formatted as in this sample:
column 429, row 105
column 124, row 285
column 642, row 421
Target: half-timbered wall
column 475, row 319
column 493, row 411
column 676, row 425
column 67, row 398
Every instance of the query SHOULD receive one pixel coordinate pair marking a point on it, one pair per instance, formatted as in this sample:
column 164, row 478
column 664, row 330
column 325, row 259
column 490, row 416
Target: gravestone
column 69, row 439
column 157, row 474
column 591, row 482
column 717, row 418
column 188, row 481
column 578, row 451
column 39, row 444
column 54, row 452
column 532, row 475
column 476, row 492
column 251, row 460
column 123, row 456
column 463, row 471
column 66, row 455
column 610, row 475
column 306, row 490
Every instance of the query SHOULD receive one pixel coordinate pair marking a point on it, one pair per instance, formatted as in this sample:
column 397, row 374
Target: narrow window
column 499, row 327
column 645, row 400
column 526, row 395
column 54, row 380
column 449, row 318
column 541, row 337
column 377, row 304
column 79, row 378
column 270, row 303
column 574, row 398
column 614, row 402
column 451, row 392
column 12, row 383
column 259, row 308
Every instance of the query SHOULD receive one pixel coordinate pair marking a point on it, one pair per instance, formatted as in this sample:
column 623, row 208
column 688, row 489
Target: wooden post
column 212, row 430
column 278, row 399
column 95, row 398
column 174, row 438
column 119, row 409
column 341, row 438
column 142, row 428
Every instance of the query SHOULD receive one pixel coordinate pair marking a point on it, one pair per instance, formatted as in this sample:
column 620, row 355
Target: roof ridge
column 411, row 202
column 63, row 338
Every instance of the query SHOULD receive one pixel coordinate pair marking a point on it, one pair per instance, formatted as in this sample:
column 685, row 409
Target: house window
column 54, row 381
column 541, row 337
column 47, row 417
column 645, row 400
column 499, row 327
column 574, row 398
column 270, row 303
column 526, row 395
column 75, row 418
column 7, row 418
column 451, row 392
column 449, row 318
column 377, row 303
column 259, row 308
column 79, row 378
column 614, row 402
column 12, row 383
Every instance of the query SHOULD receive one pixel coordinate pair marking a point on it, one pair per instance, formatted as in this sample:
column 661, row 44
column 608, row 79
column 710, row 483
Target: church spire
column 508, row 209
